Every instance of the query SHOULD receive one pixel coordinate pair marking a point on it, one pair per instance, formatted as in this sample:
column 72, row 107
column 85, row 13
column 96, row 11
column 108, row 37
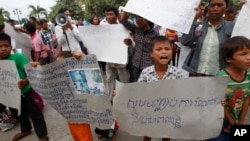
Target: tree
column 75, row 7
column 36, row 11
column 96, row 6
column 4, row 15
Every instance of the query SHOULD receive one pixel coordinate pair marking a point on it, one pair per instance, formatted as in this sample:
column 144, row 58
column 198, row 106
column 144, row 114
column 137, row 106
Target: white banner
column 188, row 108
column 75, row 89
column 242, row 25
column 106, row 42
column 174, row 14
column 10, row 94
column 22, row 40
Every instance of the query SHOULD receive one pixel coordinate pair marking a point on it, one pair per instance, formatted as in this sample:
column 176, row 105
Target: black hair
column 80, row 18
column 105, row 8
column 151, row 41
column 5, row 37
column 115, row 10
column 231, row 9
column 92, row 19
column 230, row 46
column 151, row 24
column 226, row 1
column 33, row 18
column 62, row 10
column 205, row 11
column 64, row 54
column 42, row 21
column 30, row 27
column 2, row 27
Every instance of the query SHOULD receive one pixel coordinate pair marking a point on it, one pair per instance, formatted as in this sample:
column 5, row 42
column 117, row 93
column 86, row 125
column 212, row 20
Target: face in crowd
column 141, row 22
column 111, row 17
column 5, row 48
column 162, row 52
column 216, row 9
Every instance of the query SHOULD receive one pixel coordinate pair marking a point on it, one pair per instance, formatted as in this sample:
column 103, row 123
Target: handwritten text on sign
column 174, row 14
column 170, row 108
column 10, row 94
column 55, row 85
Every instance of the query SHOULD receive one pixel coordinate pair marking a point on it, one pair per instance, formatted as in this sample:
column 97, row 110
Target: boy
column 161, row 52
column 81, row 131
column 142, row 31
column 28, row 107
column 236, row 52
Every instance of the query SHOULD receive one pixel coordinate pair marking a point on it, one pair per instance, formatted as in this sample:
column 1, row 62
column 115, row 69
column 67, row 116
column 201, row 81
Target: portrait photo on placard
column 87, row 81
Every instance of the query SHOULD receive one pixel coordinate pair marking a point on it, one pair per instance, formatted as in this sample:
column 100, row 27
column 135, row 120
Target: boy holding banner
column 161, row 52
column 236, row 52
column 28, row 107
column 79, row 131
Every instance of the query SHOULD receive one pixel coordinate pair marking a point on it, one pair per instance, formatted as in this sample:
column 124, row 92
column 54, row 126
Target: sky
column 22, row 5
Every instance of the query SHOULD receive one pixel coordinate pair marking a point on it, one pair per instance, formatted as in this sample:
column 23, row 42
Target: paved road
column 58, row 129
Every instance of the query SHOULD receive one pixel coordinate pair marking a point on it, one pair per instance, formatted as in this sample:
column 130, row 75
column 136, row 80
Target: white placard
column 10, row 94
column 174, row 14
column 188, row 108
column 22, row 40
column 242, row 25
column 106, row 42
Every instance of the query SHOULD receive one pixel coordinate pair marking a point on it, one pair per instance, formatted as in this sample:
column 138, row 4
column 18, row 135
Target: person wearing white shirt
column 68, row 35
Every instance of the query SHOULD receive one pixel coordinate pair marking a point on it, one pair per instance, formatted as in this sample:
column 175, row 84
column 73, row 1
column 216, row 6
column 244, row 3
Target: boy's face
column 161, row 53
column 111, row 17
column 240, row 59
column 5, row 49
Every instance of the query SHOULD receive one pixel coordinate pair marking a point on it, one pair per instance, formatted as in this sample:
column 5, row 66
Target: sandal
column 21, row 135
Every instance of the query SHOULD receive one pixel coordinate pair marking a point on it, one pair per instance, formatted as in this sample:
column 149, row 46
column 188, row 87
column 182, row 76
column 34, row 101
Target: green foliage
column 37, row 11
column 4, row 15
column 75, row 7
column 96, row 6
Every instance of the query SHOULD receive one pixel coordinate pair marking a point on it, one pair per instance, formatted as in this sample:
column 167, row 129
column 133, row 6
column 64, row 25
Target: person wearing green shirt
column 236, row 52
column 28, row 107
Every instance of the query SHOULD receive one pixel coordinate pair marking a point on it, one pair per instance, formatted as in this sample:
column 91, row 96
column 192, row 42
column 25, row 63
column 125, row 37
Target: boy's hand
column 77, row 55
column 22, row 83
column 223, row 102
column 113, row 93
column 127, row 41
column 34, row 64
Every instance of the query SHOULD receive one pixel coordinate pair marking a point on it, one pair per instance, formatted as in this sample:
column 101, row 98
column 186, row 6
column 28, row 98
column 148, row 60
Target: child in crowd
column 236, row 52
column 28, row 107
column 161, row 52
column 82, row 131
column 79, row 131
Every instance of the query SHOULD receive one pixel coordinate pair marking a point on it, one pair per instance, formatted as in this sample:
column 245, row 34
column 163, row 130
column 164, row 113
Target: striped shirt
column 141, row 57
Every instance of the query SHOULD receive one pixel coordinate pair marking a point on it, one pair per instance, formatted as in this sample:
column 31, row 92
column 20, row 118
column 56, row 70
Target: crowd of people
column 153, row 56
